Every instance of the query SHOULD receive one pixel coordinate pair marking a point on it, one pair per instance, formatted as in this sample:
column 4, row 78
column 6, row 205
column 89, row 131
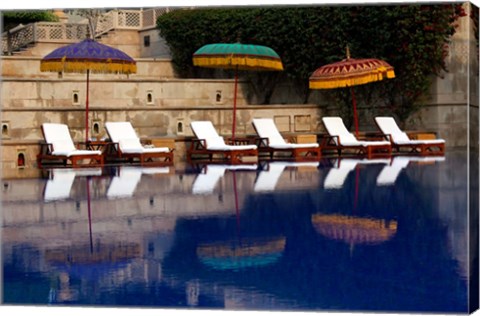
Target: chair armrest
column 81, row 145
column 261, row 142
column 199, row 143
column 45, row 148
column 112, row 148
column 328, row 140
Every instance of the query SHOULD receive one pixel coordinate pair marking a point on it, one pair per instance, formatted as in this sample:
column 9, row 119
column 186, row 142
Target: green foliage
column 412, row 38
column 13, row 18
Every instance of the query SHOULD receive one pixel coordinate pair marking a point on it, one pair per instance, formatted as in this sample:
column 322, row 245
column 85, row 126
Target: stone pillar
column 453, row 106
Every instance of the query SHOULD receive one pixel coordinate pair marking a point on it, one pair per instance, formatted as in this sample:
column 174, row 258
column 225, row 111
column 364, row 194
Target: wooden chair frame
column 332, row 142
column 115, row 153
column 297, row 154
column 198, row 150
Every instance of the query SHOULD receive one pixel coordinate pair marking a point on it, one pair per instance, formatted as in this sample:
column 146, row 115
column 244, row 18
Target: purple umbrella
column 85, row 57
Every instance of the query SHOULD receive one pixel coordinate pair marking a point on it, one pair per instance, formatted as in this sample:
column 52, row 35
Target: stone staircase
column 21, row 38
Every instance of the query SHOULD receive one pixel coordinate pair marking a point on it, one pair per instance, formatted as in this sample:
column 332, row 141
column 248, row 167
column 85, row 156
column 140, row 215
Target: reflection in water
column 354, row 230
column 276, row 237
column 240, row 254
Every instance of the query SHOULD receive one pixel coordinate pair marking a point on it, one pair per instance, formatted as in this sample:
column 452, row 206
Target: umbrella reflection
column 354, row 230
column 240, row 254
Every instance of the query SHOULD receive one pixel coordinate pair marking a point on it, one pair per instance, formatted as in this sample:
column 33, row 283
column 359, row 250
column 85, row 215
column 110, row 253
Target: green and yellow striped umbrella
column 237, row 56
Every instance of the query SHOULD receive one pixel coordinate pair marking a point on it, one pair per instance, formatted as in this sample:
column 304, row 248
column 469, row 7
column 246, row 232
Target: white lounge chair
column 267, row 179
column 400, row 139
column 340, row 138
column 390, row 172
column 59, row 146
column 207, row 180
column 209, row 143
column 127, row 144
column 271, row 141
column 338, row 174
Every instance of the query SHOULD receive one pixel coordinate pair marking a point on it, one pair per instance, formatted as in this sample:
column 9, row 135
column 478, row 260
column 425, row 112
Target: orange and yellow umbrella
column 348, row 73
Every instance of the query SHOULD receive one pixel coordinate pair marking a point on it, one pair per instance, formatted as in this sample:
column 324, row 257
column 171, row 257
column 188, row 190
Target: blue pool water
column 340, row 235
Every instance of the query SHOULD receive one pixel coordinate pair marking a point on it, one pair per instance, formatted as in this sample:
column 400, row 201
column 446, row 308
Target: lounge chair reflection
column 61, row 180
column 390, row 172
column 206, row 181
column 124, row 184
column 267, row 179
column 338, row 174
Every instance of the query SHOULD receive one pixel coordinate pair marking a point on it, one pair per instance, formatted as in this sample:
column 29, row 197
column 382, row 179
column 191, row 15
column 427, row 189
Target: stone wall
column 157, row 104
column 454, row 97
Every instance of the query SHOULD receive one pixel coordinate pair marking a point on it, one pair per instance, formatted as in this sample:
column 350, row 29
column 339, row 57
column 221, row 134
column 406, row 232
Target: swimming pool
column 338, row 235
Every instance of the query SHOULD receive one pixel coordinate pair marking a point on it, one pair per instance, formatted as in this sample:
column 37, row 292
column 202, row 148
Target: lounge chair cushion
column 133, row 146
column 388, row 126
column 127, row 139
column 293, row 145
column 130, row 144
column 59, row 137
column 62, row 147
column 266, row 128
column 343, row 137
column 204, row 130
column 120, row 130
column 215, row 142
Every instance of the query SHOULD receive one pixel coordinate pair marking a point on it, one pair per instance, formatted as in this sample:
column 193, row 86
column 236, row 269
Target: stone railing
column 24, row 35
column 129, row 19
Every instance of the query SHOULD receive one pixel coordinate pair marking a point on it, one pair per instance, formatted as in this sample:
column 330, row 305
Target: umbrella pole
column 237, row 212
column 357, row 173
column 86, row 107
column 355, row 115
column 89, row 215
column 234, row 121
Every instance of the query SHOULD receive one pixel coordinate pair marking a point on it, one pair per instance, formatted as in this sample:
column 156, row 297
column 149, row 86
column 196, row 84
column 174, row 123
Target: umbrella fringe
column 79, row 67
column 243, row 62
column 332, row 83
